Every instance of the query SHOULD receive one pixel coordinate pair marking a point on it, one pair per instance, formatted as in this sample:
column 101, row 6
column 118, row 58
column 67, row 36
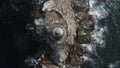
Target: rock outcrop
column 75, row 27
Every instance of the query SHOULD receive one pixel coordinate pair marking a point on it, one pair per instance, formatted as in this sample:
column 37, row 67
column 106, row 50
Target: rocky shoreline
column 63, row 47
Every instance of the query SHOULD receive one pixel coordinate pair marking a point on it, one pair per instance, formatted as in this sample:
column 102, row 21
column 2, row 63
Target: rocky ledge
column 58, row 27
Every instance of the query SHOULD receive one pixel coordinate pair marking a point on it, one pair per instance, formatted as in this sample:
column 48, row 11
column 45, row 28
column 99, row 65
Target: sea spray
column 98, row 11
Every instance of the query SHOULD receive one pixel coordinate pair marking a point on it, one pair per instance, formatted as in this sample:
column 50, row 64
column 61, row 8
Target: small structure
column 61, row 26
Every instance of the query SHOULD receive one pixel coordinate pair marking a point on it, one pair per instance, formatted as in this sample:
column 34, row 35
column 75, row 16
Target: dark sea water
column 104, row 52
column 106, row 47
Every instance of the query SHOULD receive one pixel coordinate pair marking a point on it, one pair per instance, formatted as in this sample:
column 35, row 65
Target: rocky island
column 59, row 27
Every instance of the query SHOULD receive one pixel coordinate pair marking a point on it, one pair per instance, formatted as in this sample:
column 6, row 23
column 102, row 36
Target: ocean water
column 104, row 51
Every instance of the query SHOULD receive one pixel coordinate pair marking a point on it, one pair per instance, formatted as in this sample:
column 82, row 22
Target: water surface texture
column 104, row 52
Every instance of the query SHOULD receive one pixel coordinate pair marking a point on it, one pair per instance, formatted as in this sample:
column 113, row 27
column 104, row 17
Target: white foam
column 89, row 48
column 85, row 58
column 98, row 11
column 99, row 35
column 92, row 2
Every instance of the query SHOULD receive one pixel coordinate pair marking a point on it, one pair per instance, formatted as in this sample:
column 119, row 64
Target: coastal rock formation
column 57, row 27
column 61, row 26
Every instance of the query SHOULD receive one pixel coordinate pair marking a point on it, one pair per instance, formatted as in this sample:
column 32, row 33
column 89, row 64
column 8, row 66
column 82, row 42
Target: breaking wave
column 99, row 11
